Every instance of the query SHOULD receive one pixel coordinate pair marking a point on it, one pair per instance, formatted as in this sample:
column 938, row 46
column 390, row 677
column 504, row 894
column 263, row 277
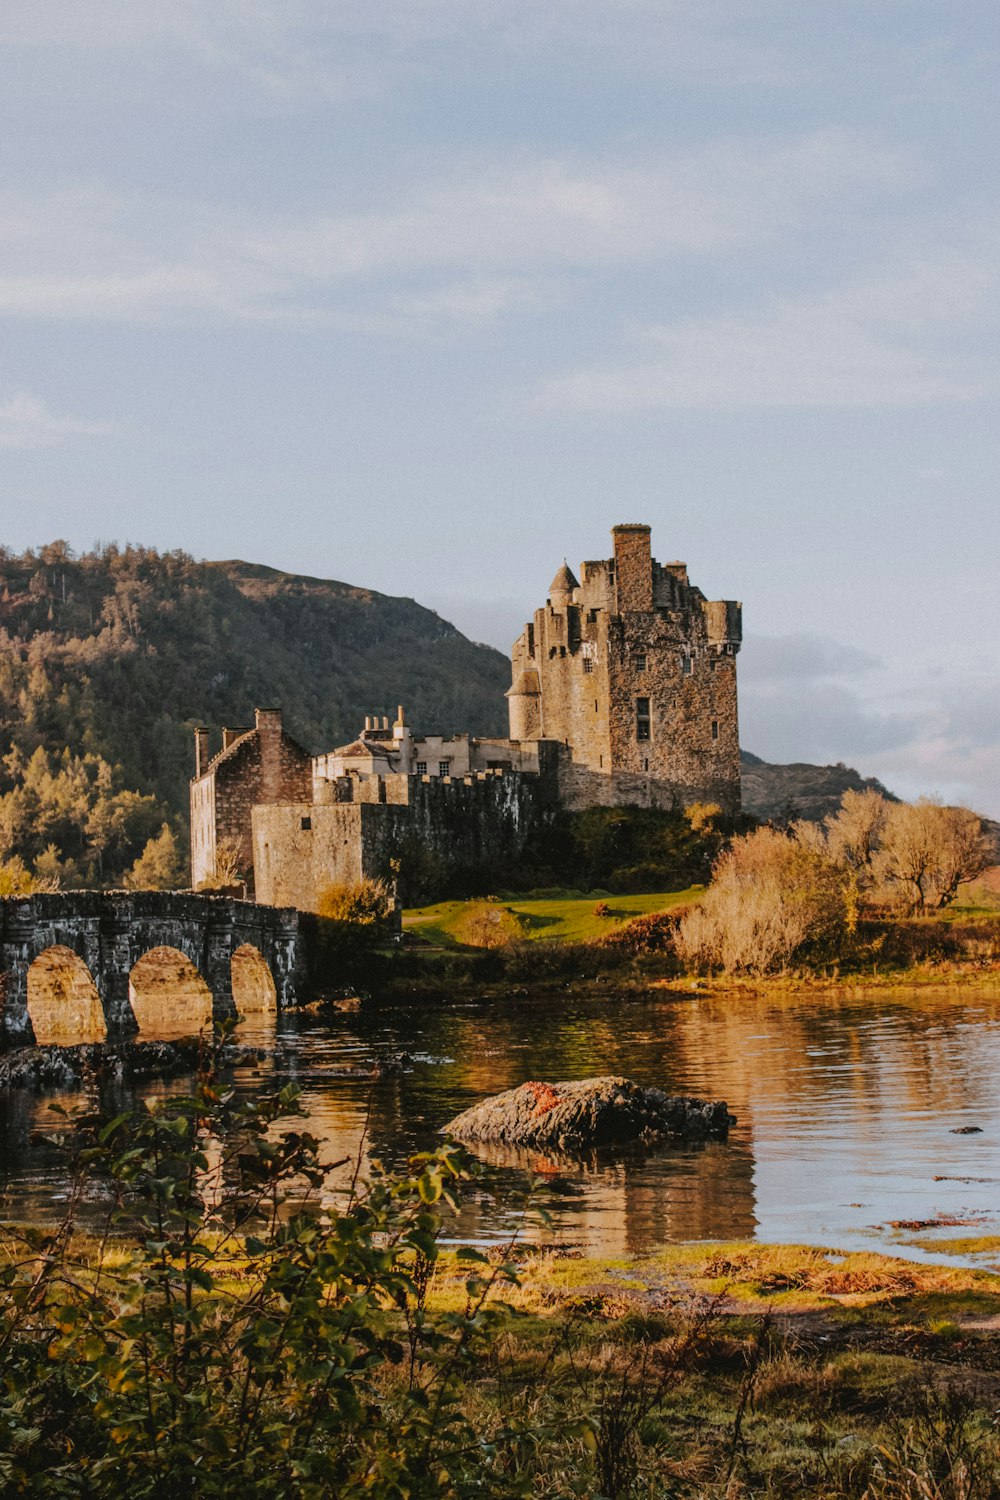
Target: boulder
column 589, row 1112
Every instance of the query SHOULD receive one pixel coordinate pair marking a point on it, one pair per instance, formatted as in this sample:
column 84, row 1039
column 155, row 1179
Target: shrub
column 367, row 903
column 772, row 897
column 487, row 924
column 653, row 933
column 229, row 1343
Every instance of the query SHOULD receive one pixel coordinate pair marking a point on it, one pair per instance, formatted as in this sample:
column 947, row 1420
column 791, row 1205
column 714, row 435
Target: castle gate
column 110, row 931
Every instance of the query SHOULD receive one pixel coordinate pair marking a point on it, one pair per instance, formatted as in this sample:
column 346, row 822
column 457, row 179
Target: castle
column 623, row 692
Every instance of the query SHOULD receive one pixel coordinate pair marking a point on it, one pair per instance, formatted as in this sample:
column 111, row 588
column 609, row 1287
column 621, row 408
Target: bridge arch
column 63, row 1004
column 111, row 932
column 168, row 995
column 254, row 989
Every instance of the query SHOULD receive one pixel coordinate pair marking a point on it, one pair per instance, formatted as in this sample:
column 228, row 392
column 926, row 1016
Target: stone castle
column 623, row 692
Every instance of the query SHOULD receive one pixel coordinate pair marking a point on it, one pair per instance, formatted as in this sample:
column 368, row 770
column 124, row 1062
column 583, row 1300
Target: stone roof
column 564, row 582
column 526, row 684
column 362, row 747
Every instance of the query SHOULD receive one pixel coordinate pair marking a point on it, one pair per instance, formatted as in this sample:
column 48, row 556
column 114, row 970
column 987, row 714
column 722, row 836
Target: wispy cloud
column 871, row 344
column 476, row 241
column 26, row 422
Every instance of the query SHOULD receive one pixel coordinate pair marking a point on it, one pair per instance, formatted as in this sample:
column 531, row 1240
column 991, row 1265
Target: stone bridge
column 76, row 964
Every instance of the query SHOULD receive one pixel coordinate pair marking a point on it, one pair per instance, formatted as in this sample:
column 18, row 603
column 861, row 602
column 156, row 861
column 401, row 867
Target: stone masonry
column 633, row 671
column 623, row 692
column 111, row 930
column 255, row 767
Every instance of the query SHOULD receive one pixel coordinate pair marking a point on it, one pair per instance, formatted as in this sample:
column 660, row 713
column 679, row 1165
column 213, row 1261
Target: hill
column 120, row 652
column 799, row 790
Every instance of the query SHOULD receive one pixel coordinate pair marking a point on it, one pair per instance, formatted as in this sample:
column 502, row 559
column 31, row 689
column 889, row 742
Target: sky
column 425, row 295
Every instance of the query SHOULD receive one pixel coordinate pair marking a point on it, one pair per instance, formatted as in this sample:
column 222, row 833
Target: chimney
column 200, row 752
column 268, row 722
column 633, row 570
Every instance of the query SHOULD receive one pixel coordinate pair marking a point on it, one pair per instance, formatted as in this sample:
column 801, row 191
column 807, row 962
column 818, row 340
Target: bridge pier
column 111, row 930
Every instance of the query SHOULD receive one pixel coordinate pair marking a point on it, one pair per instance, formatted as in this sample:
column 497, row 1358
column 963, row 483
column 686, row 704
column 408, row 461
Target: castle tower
column 634, row 672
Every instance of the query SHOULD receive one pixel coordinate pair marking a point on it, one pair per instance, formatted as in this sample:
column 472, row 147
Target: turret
column 524, row 700
column 562, row 586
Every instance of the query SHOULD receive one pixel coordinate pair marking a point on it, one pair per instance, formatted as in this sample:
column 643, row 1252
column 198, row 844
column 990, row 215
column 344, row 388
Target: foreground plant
column 224, row 1341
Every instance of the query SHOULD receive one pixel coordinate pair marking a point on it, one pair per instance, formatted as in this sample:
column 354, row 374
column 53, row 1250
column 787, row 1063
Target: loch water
column 855, row 1110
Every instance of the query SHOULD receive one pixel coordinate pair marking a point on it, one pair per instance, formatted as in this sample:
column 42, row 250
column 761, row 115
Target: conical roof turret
column 563, row 583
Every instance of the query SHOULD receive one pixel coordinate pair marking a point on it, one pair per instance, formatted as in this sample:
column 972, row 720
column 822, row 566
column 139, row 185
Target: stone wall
column 419, row 829
column 262, row 766
column 636, row 675
column 111, row 930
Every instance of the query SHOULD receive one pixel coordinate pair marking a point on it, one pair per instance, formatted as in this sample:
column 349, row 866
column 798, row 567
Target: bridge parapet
column 109, row 931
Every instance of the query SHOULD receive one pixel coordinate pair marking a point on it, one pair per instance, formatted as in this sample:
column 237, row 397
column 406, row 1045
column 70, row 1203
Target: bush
column 367, row 903
column 773, row 898
column 653, row 933
column 229, row 1343
column 487, row 924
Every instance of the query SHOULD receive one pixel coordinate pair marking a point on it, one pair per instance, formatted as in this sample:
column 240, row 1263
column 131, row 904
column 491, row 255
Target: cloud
column 27, row 423
column 474, row 241
column 870, row 344
column 802, row 656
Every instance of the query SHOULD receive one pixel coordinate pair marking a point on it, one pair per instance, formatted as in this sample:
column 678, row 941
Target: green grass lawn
column 562, row 916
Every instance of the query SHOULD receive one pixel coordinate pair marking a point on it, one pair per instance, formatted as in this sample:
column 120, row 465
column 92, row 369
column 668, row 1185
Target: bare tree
column 925, row 853
column 854, row 831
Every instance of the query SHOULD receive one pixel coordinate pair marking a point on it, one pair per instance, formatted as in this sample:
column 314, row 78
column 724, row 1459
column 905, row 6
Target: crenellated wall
column 398, row 828
column 634, row 672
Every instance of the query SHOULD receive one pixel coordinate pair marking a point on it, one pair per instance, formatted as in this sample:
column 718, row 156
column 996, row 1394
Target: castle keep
column 633, row 672
column 623, row 692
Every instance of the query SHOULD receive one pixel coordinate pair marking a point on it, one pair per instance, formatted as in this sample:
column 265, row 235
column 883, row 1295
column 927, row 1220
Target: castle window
column 645, row 765
column 421, row 768
column 444, row 767
column 687, row 665
column 640, row 662
column 711, row 663
column 588, row 664
column 715, row 729
column 307, row 823
column 642, row 719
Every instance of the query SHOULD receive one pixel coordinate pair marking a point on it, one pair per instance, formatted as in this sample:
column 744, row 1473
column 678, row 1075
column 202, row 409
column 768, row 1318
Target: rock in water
column 589, row 1112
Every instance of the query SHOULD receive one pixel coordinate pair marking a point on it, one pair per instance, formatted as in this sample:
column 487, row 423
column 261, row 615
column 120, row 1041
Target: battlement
column 632, row 669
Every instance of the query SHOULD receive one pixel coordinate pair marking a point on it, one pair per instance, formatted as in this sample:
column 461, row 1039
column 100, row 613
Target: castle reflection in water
column 847, row 1106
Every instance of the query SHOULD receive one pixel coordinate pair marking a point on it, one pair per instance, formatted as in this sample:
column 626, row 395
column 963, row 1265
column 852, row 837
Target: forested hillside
column 108, row 661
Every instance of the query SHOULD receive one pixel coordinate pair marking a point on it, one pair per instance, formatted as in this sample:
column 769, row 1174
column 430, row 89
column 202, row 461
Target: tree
column 228, row 870
column 159, row 866
column 854, row 831
column 926, row 851
column 367, row 903
column 17, row 880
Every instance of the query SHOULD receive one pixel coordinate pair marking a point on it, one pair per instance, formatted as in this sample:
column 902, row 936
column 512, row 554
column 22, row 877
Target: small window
column 715, row 729
column 307, row 823
column 640, row 662
column 444, row 767
column 421, row 768
column 711, row 663
column 588, row 664
column 642, row 719
column 645, row 765
column 687, row 665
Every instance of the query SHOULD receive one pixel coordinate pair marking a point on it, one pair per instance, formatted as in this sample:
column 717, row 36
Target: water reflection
column 846, row 1103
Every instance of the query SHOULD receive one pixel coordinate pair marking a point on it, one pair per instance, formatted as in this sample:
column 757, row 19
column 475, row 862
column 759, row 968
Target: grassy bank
column 625, row 942
column 743, row 1370
column 562, row 916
